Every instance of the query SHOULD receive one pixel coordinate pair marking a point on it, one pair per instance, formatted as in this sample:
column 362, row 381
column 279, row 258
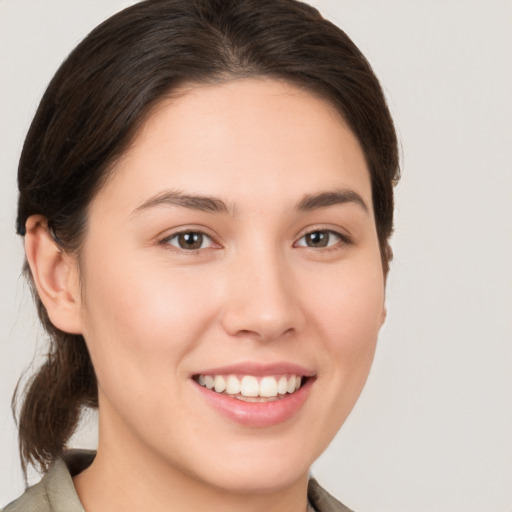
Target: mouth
column 256, row 395
column 252, row 388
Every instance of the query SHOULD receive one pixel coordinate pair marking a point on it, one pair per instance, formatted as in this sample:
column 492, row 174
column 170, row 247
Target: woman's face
column 234, row 245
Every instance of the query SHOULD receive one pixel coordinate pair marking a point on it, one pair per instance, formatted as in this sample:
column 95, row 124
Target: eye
column 189, row 240
column 320, row 238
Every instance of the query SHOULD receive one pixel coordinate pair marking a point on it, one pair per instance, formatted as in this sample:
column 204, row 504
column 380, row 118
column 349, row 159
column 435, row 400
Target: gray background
column 433, row 429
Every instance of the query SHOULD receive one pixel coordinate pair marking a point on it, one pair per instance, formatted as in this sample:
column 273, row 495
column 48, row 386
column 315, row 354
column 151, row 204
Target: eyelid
column 345, row 239
column 165, row 240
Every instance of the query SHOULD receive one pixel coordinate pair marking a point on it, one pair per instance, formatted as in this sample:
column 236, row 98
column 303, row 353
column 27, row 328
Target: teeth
column 249, row 386
column 232, row 385
column 291, row 384
column 268, row 386
column 282, row 386
column 208, row 381
column 220, row 383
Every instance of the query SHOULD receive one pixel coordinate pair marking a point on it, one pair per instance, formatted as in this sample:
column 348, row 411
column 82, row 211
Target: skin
column 153, row 314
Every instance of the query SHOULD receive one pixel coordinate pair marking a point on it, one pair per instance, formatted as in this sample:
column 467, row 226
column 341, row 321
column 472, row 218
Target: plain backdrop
column 433, row 428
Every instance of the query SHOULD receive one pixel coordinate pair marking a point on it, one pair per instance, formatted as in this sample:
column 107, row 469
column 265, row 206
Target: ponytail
column 54, row 397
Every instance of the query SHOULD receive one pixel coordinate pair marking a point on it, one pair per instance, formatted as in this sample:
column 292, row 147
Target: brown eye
column 190, row 240
column 319, row 239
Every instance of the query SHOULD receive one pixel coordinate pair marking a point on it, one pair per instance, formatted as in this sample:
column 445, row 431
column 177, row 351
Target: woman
column 206, row 201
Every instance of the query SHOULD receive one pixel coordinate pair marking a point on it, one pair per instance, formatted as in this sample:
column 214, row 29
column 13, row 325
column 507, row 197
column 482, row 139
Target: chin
column 265, row 468
column 254, row 479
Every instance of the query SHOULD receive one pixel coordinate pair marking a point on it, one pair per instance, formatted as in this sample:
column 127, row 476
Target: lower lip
column 258, row 414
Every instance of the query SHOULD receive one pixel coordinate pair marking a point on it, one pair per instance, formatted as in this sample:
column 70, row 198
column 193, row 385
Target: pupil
column 318, row 239
column 191, row 240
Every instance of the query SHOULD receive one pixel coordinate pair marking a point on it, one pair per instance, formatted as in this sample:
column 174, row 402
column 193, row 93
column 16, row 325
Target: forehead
column 238, row 140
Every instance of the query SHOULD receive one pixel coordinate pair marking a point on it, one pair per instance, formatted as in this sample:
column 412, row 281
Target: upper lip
column 259, row 369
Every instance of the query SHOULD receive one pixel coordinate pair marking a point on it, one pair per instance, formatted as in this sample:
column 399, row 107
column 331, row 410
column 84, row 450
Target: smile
column 256, row 395
column 250, row 388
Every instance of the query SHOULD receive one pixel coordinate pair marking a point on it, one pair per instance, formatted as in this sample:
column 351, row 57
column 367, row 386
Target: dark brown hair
column 105, row 89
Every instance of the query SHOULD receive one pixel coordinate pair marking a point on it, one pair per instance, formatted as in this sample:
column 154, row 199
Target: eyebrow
column 331, row 198
column 215, row 205
column 194, row 202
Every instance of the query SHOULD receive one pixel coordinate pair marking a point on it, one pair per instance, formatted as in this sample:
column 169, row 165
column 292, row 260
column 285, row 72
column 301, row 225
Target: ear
column 383, row 315
column 55, row 275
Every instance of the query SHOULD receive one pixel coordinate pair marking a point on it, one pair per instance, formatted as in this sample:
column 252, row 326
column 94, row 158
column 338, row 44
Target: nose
column 262, row 300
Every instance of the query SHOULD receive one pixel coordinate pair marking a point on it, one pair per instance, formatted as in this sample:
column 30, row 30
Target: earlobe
column 55, row 275
column 384, row 314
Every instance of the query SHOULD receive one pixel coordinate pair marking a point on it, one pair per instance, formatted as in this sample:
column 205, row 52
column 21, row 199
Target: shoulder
column 34, row 499
column 322, row 501
column 55, row 492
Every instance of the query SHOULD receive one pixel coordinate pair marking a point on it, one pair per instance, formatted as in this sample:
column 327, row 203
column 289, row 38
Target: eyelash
column 342, row 240
column 167, row 240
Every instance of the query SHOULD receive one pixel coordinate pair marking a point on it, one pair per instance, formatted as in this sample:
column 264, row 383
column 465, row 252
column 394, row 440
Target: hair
column 103, row 92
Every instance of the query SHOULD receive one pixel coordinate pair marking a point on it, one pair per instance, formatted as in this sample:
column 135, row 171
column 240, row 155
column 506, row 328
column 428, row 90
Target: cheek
column 346, row 307
column 355, row 305
column 350, row 314
column 139, row 324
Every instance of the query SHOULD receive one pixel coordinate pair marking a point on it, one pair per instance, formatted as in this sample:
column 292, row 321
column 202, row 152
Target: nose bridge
column 260, row 295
